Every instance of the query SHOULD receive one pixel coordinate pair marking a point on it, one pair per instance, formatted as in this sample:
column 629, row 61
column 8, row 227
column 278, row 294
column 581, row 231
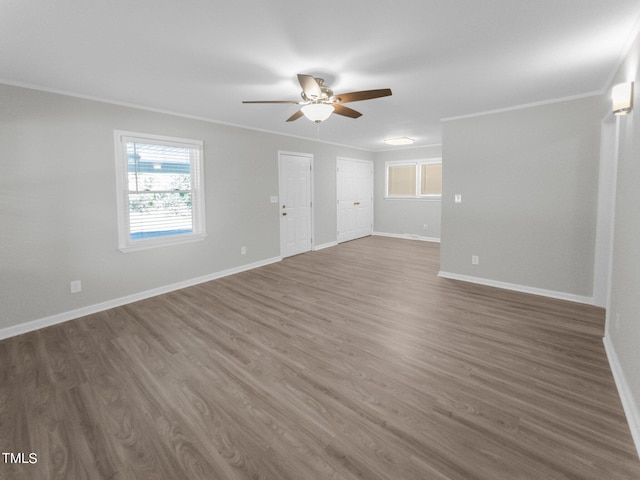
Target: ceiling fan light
column 317, row 112
column 399, row 141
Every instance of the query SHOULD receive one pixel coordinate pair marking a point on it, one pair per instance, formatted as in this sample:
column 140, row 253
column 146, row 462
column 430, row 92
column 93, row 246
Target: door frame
column 605, row 226
column 311, row 196
column 359, row 160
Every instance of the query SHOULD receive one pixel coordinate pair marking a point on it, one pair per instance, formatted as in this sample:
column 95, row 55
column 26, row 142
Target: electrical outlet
column 243, row 250
column 75, row 286
column 475, row 259
column 458, row 198
column 425, row 227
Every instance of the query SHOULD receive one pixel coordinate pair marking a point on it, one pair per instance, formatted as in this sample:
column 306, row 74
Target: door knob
column 284, row 206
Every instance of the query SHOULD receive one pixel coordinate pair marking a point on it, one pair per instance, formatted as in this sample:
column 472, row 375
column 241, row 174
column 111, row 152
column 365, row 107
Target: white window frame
column 418, row 166
column 125, row 243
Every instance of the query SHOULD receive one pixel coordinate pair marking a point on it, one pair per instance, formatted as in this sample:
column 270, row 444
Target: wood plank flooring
column 354, row 362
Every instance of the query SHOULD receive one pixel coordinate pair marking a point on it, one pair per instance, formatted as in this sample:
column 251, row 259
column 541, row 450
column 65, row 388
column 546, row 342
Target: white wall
column 622, row 336
column 58, row 202
column 402, row 216
column 529, row 182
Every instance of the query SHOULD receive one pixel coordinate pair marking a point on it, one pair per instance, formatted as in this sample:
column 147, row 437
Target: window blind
column 401, row 181
column 431, row 179
column 160, row 189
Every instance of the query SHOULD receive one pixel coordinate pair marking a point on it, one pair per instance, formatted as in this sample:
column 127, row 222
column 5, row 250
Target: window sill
column 162, row 242
column 419, row 199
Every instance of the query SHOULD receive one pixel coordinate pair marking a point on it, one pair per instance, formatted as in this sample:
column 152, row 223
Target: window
column 419, row 179
column 160, row 192
column 401, row 180
column 430, row 179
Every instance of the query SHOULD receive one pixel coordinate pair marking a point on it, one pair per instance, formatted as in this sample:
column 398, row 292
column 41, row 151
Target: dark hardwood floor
column 354, row 362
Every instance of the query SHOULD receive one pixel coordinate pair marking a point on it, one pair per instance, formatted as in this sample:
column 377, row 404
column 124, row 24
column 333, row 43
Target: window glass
column 421, row 179
column 160, row 198
column 401, row 181
column 431, row 179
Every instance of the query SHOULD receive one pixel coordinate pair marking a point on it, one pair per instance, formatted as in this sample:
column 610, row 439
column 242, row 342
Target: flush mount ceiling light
column 399, row 141
column 317, row 112
column 622, row 98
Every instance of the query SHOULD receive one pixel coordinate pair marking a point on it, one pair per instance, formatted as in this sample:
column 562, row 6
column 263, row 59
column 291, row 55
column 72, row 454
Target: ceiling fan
column 319, row 102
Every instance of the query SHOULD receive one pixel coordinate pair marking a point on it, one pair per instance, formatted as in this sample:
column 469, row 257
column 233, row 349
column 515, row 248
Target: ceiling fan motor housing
column 326, row 94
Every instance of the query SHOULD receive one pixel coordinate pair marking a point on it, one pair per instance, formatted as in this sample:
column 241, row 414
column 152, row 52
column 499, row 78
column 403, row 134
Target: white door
column 354, row 188
column 295, row 203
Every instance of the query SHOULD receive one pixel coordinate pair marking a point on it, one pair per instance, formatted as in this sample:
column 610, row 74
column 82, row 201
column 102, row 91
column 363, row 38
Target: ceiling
column 201, row 58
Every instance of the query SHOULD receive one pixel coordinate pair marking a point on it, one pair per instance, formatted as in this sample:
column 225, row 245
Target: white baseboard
column 408, row 236
column 117, row 302
column 324, row 245
column 518, row 288
column 631, row 408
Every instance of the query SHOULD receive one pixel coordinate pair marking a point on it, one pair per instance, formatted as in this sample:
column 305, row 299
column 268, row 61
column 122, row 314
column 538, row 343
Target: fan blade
column 346, row 111
column 271, row 101
column 363, row 95
column 295, row 116
column 309, row 86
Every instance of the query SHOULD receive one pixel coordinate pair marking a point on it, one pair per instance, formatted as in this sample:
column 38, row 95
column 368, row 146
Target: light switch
column 458, row 198
column 274, row 199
